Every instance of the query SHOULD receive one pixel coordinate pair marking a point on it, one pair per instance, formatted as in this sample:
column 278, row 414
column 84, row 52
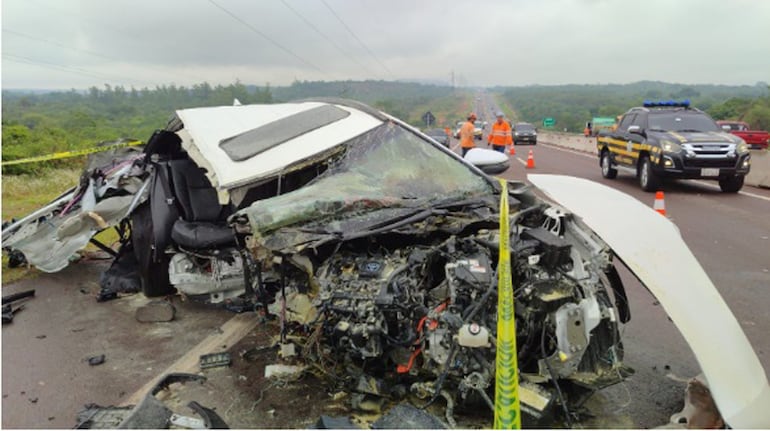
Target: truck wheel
column 731, row 184
column 607, row 170
column 153, row 274
column 648, row 180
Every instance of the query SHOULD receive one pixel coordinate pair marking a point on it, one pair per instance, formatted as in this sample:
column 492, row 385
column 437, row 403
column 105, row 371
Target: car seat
column 202, row 224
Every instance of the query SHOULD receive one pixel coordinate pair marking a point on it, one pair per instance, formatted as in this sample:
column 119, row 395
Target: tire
column 648, row 180
column 534, row 142
column 731, row 184
column 152, row 273
column 607, row 170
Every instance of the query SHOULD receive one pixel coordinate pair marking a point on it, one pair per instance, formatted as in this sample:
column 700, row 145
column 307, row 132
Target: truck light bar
column 667, row 103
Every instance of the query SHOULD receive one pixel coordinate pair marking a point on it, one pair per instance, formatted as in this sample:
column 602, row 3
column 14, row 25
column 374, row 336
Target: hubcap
column 605, row 164
column 645, row 166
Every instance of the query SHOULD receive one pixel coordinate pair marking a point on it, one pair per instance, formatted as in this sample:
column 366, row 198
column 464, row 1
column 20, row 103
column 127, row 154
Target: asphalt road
column 730, row 236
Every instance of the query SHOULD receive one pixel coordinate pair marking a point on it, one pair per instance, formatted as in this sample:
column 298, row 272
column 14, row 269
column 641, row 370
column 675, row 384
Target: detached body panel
column 735, row 375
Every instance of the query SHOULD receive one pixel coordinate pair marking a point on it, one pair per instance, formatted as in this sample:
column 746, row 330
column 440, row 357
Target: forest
column 573, row 105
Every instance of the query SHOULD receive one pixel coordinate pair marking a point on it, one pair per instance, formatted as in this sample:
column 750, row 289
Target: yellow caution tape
column 68, row 154
column 507, row 408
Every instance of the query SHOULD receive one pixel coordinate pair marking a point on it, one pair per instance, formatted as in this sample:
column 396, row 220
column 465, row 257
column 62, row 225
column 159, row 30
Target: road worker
column 500, row 136
column 466, row 134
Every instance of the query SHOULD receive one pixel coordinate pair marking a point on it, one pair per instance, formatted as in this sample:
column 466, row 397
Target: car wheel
column 648, row 180
column 152, row 273
column 607, row 170
column 731, row 184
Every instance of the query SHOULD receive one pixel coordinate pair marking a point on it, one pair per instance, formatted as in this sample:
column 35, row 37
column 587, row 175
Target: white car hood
column 205, row 128
column 734, row 373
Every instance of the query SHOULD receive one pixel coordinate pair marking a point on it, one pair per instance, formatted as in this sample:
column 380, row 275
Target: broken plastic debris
column 279, row 370
column 288, row 350
column 96, row 360
column 214, row 360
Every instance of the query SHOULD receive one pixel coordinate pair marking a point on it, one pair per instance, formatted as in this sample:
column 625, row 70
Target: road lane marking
column 703, row 183
column 569, row 150
column 749, row 194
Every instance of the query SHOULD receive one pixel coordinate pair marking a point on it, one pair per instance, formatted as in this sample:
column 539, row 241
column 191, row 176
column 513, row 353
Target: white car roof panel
column 205, row 128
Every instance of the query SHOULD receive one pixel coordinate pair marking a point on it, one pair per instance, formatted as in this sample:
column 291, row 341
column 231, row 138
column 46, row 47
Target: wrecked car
column 377, row 250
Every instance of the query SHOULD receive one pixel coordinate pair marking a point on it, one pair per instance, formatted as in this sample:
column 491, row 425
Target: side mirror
column 635, row 130
column 489, row 161
column 726, row 127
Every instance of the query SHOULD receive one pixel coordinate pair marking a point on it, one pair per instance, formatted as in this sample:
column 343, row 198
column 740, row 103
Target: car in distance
column 478, row 129
column 756, row 139
column 524, row 133
column 439, row 135
column 673, row 140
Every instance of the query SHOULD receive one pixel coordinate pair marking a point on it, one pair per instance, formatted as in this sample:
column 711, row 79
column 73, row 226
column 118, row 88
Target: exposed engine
column 421, row 318
column 213, row 277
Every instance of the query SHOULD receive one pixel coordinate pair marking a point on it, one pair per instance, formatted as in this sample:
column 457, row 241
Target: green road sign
column 549, row 122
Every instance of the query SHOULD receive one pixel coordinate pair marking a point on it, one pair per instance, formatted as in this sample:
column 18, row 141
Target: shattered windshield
column 383, row 168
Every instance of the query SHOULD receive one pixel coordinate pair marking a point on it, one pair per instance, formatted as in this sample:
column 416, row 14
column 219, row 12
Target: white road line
column 569, row 150
column 703, row 183
column 749, row 194
column 520, row 161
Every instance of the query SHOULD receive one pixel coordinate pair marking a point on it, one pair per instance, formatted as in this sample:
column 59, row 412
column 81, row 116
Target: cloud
column 62, row 44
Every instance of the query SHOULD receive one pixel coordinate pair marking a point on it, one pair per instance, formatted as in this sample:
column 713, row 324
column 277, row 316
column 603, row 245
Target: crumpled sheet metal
column 49, row 240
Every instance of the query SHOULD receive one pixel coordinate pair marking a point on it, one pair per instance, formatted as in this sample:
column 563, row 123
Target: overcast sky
column 80, row 43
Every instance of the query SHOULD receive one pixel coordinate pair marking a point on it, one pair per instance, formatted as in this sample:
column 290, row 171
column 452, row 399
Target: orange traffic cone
column 530, row 160
column 512, row 151
column 660, row 203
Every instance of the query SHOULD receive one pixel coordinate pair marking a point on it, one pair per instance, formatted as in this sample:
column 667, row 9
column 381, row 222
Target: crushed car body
column 377, row 249
column 110, row 187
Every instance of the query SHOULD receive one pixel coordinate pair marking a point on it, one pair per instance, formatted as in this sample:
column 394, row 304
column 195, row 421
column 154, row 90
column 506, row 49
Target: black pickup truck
column 673, row 140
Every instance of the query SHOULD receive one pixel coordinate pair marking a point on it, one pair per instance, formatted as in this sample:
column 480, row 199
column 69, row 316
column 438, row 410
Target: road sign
column 549, row 122
column 428, row 118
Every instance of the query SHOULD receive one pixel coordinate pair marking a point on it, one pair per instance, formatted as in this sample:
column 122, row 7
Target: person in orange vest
column 448, row 132
column 466, row 134
column 500, row 136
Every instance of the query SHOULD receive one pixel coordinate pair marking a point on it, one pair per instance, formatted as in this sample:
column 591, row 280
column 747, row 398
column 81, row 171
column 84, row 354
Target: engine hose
column 484, row 298
column 441, row 378
column 553, row 378
column 516, row 217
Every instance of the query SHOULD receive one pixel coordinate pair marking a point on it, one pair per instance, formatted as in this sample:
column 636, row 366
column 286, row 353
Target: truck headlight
column 742, row 147
column 670, row 146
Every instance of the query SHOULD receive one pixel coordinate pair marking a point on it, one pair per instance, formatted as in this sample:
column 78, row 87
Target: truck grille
column 710, row 155
column 709, row 163
column 711, row 149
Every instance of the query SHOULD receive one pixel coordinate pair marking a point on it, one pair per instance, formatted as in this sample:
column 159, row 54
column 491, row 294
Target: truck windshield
column 682, row 122
column 524, row 128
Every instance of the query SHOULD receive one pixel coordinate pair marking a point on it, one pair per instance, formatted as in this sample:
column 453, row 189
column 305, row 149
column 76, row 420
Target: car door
column 636, row 136
column 620, row 141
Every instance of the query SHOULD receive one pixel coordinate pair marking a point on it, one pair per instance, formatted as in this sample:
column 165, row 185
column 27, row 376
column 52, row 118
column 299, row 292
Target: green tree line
column 574, row 105
column 38, row 124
